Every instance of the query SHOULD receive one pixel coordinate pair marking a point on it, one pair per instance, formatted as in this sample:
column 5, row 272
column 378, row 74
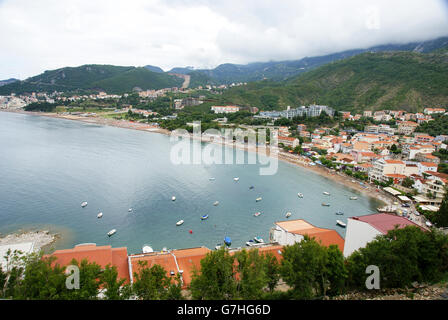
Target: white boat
column 300, row 195
column 236, row 179
column 180, row 222
column 84, row 204
column 173, row 198
column 211, row 179
column 111, row 232
column 288, row 214
column 204, row 217
column 130, row 210
column 258, row 240
column 326, row 193
column 100, row 215
column 340, row 223
column 216, row 203
column 258, row 199
column 147, row 249
column 325, row 204
column 250, row 243
column 353, row 198
column 256, row 214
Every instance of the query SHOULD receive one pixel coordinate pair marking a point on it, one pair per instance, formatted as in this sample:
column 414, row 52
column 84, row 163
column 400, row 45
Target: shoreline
column 41, row 239
column 365, row 189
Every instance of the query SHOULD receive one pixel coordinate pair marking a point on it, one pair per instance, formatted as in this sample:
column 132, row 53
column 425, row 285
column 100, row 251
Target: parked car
column 406, row 205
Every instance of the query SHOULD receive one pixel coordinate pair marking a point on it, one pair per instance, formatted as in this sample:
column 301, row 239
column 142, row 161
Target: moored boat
column 353, row 198
column 211, row 179
column 325, row 204
column 180, row 222
column 112, row 232
column 216, row 203
column 100, row 215
column 326, row 193
column 256, row 214
column 130, row 210
column 250, row 243
column 147, row 249
column 300, row 195
column 258, row 240
column 339, row 213
column 204, row 217
column 236, row 179
column 227, row 241
column 84, row 204
column 288, row 214
column 340, row 223
column 259, row 199
column 173, row 198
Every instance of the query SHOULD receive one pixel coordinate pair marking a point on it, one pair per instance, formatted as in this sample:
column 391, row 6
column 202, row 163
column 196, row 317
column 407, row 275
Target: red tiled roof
column 384, row 222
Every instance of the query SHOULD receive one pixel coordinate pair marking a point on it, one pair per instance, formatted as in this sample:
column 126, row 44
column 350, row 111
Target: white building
column 364, row 229
column 225, row 109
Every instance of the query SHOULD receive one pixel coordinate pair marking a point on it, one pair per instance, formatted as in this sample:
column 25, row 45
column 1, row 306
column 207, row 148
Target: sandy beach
column 365, row 188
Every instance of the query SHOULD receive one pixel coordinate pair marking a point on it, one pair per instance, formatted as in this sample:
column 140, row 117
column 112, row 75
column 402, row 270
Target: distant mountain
column 382, row 80
column 154, row 69
column 8, row 81
column 112, row 79
column 281, row 70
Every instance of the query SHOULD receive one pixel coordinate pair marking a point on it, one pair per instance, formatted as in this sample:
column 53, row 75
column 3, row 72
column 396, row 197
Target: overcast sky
column 50, row 34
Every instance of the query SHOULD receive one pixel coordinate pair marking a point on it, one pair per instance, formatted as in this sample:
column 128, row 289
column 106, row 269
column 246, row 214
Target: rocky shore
column 41, row 239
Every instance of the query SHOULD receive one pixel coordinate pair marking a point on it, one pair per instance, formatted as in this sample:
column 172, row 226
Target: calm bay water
column 49, row 166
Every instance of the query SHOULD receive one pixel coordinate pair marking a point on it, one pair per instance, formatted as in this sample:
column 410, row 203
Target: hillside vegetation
column 112, row 79
column 388, row 80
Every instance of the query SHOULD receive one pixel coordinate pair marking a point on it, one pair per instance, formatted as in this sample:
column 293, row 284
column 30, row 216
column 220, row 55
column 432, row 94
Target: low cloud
column 49, row 34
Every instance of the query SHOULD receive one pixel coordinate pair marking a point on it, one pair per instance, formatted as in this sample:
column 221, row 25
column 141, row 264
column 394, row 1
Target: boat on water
column 216, row 203
column 300, row 195
column 258, row 240
column 112, row 232
column 204, row 217
column 173, row 198
column 227, row 241
column 258, row 199
column 256, row 214
column 325, row 204
column 339, row 213
column 84, row 204
column 100, row 215
column 288, row 214
column 250, row 243
column 353, row 198
column 340, row 223
column 236, row 179
column 211, row 179
column 251, row 187
column 326, row 193
column 147, row 249
column 180, row 222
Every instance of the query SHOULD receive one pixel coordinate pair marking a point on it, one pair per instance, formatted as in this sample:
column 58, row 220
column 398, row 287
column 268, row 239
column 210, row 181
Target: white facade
column 358, row 235
column 283, row 237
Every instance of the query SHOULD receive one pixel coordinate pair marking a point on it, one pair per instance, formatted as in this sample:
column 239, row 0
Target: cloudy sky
column 49, row 34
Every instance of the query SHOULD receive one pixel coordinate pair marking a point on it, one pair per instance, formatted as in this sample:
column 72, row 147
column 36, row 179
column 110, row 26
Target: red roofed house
column 290, row 142
column 103, row 256
column 292, row 231
column 427, row 166
column 362, row 230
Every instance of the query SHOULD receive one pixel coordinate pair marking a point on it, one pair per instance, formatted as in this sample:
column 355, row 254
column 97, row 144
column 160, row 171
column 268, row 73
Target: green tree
column 115, row 289
column 89, row 280
column 407, row 182
column 272, row 271
column 441, row 218
column 153, row 283
column 252, row 276
column 216, row 278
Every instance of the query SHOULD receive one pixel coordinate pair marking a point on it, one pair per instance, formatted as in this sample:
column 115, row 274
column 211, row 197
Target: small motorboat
column 353, row 198
column 258, row 240
column 111, row 232
column 300, row 195
column 130, row 210
column 211, row 179
column 325, row 204
column 147, row 249
column 326, row 193
column 100, row 215
column 180, row 222
column 340, row 223
column 84, row 204
column 236, row 179
column 173, row 198
column 204, row 217
column 258, row 199
column 251, row 187
column 216, row 203
column 227, row 241
column 250, row 243
column 339, row 213
column 288, row 214
column 256, row 214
